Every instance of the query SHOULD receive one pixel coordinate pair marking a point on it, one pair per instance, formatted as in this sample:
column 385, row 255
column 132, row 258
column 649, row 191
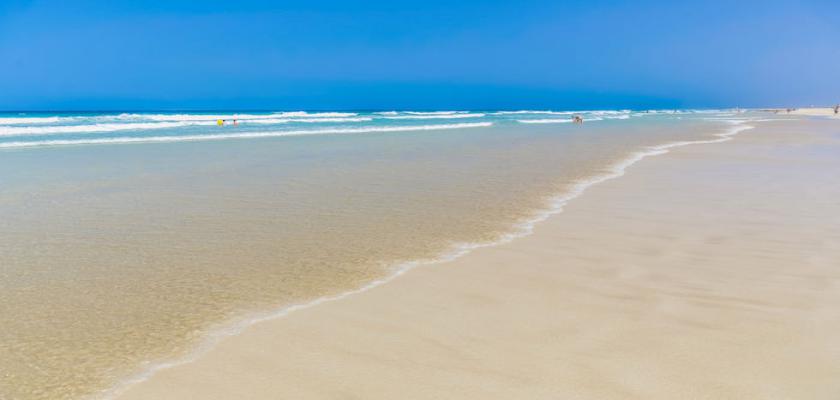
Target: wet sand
column 156, row 249
column 709, row 272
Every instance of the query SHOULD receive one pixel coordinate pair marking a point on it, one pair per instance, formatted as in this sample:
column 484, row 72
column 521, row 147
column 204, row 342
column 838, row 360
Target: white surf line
column 419, row 112
column 560, row 121
column 309, row 120
column 521, row 229
column 37, row 130
column 28, row 120
column 214, row 117
column 434, row 112
column 434, row 116
column 6, row 131
column 615, row 171
column 134, row 117
column 545, row 112
column 544, row 121
column 243, row 135
column 550, row 112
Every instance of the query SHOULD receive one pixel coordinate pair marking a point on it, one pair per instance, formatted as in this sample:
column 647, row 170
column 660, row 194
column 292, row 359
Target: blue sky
column 428, row 54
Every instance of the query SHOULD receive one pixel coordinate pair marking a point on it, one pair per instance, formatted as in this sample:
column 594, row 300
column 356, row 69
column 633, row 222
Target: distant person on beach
column 836, row 109
column 220, row 122
column 577, row 119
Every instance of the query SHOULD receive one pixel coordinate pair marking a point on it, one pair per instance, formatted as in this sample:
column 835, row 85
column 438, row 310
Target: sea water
column 127, row 239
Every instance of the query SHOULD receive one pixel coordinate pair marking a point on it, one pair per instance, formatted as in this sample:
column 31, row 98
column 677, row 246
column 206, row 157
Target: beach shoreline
column 173, row 381
column 808, row 111
column 172, row 246
column 522, row 229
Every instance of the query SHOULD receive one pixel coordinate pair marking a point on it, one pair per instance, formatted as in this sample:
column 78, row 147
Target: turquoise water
column 126, row 238
column 22, row 130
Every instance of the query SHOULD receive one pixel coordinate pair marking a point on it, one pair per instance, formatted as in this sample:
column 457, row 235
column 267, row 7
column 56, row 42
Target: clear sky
column 429, row 54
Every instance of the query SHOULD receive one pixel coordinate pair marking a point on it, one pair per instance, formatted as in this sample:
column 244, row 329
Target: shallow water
column 121, row 247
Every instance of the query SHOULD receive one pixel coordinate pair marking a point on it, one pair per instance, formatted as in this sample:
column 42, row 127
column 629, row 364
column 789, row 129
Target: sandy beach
column 709, row 272
column 816, row 111
column 419, row 200
column 160, row 247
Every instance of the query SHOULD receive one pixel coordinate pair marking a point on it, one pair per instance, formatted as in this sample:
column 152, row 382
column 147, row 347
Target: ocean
column 132, row 241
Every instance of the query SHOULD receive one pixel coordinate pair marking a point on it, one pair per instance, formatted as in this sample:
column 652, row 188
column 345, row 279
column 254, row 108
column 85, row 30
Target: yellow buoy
column 220, row 122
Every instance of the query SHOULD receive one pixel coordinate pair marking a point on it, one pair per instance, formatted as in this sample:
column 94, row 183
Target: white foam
column 209, row 117
column 330, row 114
column 238, row 135
column 692, row 111
column 544, row 121
column 306, row 120
column 28, row 120
column 548, row 112
column 608, row 112
column 556, row 120
column 434, row 116
column 135, row 117
column 94, row 128
column 535, row 112
column 708, row 111
column 434, row 112
column 419, row 112
column 522, row 229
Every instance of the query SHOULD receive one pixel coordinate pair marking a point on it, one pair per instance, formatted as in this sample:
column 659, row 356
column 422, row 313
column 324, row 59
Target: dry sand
column 820, row 111
column 711, row 272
